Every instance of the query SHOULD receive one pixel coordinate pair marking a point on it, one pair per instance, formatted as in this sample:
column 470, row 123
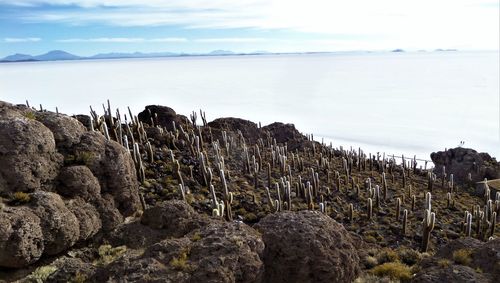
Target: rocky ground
column 160, row 197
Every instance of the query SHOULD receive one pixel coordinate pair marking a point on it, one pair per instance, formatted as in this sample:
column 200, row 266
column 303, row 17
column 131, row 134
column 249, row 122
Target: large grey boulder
column 307, row 246
column 21, row 238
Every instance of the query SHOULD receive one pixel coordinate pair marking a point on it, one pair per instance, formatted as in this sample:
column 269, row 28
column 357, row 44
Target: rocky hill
column 160, row 197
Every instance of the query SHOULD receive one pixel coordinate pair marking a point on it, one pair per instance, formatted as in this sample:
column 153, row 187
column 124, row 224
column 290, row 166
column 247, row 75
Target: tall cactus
column 427, row 227
column 370, row 208
column 398, row 208
column 405, row 221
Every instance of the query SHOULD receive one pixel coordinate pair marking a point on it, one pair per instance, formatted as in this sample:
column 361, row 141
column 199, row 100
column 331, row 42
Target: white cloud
column 121, row 40
column 231, row 40
column 23, row 39
column 443, row 23
column 168, row 39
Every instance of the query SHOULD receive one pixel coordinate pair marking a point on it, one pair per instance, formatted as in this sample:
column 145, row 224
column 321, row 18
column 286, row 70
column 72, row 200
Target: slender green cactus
column 468, row 224
column 183, row 191
column 443, row 177
column 370, row 208
column 384, row 186
column 428, row 226
column 270, row 200
column 449, row 200
column 493, row 223
column 398, row 209
column 405, row 221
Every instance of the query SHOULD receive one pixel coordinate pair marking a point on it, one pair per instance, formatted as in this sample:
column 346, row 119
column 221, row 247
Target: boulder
column 162, row 116
column 88, row 217
column 175, row 217
column 307, row 246
column 78, row 181
column 452, row 273
column 217, row 252
column 70, row 270
column 114, row 167
column 60, row 226
column 66, row 130
column 462, row 161
column 227, row 252
column 27, row 153
column 109, row 214
column 285, row 133
column 487, row 258
column 84, row 119
column 249, row 129
column 478, row 262
column 21, row 238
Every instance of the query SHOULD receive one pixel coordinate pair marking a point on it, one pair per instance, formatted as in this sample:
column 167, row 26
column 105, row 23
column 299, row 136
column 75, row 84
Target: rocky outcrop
column 307, row 246
column 60, row 226
column 462, row 260
column 162, row 116
column 21, row 238
column 59, row 184
column 78, row 181
column 66, row 130
column 462, row 161
column 283, row 132
column 113, row 166
column 452, row 273
column 28, row 153
column 248, row 129
column 196, row 249
column 176, row 218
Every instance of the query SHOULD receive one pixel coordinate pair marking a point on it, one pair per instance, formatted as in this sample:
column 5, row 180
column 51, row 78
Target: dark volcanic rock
column 218, row 252
column 88, row 217
column 21, row 238
column 453, row 273
column 248, row 128
column 70, row 270
column 462, row 161
column 110, row 216
column 67, row 130
column 162, row 115
column 487, row 257
column 78, row 181
column 227, row 252
column 27, row 153
column 285, row 133
column 113, row 166
column 60, row 226
column 84, row 119
column 307, row 246
column 175, row 217
column 483, row 265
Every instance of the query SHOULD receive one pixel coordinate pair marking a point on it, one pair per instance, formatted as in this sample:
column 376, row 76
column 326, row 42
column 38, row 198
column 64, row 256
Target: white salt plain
column 397, row 103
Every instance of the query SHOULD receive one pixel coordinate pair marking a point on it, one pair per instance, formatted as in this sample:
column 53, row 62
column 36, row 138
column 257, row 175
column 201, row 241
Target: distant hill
column 56, row 55
column 18, row 57
column 59, row 55
column 221, row 52
column 116, row 55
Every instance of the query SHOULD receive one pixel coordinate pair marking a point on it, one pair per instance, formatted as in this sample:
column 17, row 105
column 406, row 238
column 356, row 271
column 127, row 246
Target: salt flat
column 410, row 103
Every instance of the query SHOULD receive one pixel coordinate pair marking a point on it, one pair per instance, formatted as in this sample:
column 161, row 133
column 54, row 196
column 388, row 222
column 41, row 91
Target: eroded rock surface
column 462, row 161
column 59, row 184
column 307, row 246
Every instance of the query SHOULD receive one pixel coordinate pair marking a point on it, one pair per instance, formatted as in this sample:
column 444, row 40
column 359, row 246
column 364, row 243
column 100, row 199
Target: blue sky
column 87, row 27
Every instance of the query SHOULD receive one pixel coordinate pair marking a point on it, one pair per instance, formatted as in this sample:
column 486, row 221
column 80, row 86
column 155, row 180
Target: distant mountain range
column 59, row 55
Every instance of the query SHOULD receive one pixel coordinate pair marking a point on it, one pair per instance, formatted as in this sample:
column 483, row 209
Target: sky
column 88, row 27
